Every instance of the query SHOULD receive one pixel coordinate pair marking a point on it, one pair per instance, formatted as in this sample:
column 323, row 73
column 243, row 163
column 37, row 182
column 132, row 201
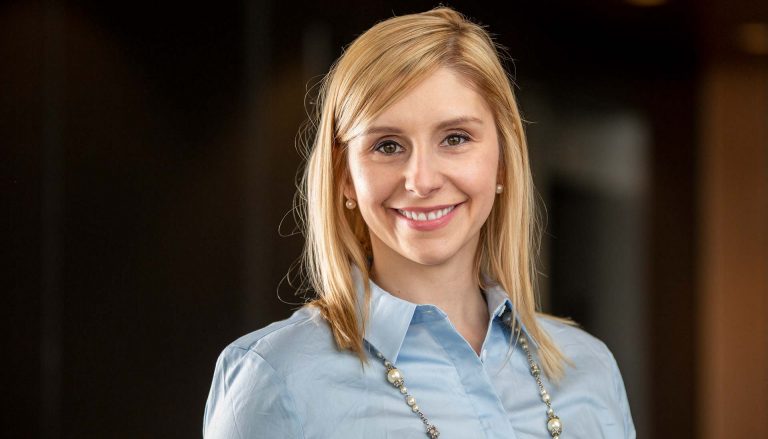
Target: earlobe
column 349, row 188
column 500, row 180
column 349, row 191
column 349, row 194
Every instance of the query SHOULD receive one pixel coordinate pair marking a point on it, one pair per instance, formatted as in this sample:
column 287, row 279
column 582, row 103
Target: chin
column 429, row 259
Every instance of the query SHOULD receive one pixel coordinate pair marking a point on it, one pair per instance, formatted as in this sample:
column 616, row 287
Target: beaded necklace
column 396, row 378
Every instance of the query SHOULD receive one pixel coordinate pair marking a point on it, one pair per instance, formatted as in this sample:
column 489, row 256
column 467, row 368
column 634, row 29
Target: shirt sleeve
column 248, row 400
column 621, row 397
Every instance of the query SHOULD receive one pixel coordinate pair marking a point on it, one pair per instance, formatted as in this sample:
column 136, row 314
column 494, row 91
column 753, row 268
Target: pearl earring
column 351, row 204
column 499, row 188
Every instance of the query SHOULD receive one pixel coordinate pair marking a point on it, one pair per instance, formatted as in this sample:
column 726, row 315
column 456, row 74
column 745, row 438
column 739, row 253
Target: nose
column 423, row 175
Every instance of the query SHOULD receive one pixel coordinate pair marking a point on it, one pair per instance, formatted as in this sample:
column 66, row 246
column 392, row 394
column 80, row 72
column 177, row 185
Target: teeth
column 429, row 216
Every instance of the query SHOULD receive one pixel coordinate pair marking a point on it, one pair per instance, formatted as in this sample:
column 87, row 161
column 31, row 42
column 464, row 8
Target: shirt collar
column 389, row 317
column 500, row 307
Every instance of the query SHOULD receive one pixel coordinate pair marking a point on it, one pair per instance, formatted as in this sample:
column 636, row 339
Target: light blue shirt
column 288, row 380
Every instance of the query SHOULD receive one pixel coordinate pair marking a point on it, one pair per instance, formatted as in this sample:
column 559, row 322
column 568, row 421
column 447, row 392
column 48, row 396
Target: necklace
column 396, row 378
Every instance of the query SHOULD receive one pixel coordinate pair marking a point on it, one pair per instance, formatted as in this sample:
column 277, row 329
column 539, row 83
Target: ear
column 501, row 170
column 348, row 185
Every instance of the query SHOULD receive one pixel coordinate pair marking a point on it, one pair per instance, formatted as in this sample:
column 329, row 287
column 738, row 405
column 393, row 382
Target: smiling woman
column 426, row 184
column 420, row 239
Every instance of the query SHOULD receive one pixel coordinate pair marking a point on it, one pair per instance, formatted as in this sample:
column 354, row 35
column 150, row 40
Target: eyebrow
column 440, row 126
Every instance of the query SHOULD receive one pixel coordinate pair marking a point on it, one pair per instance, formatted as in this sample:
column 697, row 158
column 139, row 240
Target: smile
column 427, row 219
column 426, row 216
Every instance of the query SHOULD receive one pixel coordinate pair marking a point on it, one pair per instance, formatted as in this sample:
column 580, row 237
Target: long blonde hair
column 379, row 67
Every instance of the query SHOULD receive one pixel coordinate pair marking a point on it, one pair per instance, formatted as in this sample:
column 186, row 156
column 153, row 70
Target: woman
column 420, row 233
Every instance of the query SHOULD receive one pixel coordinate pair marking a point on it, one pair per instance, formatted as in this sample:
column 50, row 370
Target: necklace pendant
column 432, row 432
column 554, row 426
column 395, row 377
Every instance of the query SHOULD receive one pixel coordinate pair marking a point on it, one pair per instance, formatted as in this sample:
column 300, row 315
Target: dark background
column 148, row 156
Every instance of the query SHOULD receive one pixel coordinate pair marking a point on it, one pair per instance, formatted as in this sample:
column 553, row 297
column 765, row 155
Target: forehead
column 440, row 96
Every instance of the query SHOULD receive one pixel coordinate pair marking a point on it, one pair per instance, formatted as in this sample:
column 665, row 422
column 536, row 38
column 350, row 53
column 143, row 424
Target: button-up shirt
column 289, row 380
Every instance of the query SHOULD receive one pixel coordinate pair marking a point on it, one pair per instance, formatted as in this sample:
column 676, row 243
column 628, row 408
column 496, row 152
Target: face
column 424, row 173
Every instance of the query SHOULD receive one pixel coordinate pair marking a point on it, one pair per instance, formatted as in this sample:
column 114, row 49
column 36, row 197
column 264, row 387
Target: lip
column 429, row 225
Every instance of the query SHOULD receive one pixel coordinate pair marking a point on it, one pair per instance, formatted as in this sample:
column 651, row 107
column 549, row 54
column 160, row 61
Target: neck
column 451, row 286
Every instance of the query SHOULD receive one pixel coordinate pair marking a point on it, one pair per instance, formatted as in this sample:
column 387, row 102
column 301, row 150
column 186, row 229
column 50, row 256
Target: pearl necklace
column 396, row 378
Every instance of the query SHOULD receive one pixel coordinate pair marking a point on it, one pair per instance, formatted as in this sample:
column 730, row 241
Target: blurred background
column 148, row 157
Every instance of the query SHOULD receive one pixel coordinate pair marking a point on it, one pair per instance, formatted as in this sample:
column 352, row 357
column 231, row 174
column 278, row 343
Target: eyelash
column 464, row 137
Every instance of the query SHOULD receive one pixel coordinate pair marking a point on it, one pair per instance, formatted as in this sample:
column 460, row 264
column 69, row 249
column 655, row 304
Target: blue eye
column 388, row 148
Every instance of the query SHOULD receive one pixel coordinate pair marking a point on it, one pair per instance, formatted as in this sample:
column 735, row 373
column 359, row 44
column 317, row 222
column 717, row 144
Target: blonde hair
column 374, row 72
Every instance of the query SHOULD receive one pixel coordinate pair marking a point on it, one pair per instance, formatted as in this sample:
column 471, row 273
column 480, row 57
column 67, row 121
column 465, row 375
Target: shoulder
column 577, row 344
column 290, row 351
column 304, row 321
column 592, row 373
column 256, row 382
column 282, row 343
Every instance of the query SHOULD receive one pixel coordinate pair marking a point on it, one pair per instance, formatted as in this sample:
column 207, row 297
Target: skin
column 436, row 146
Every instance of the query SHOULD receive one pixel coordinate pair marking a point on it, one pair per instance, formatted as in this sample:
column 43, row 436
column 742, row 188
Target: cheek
column 371, row 186
column 480, row 174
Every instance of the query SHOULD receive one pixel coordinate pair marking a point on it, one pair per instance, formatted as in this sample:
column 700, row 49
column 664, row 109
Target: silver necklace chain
column 396, row 378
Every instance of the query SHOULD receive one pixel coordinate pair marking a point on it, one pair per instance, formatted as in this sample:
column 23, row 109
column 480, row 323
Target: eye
column 388, row 148
column 456, row 139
